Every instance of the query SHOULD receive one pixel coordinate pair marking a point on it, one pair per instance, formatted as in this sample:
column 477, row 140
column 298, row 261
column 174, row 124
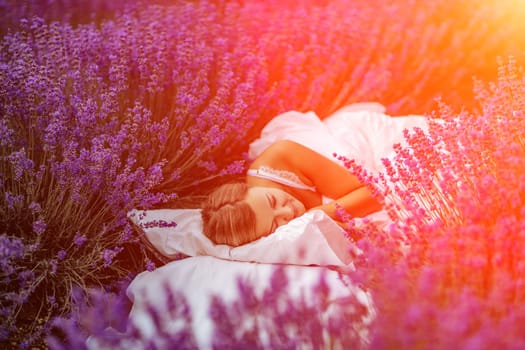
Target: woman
column 285, row 181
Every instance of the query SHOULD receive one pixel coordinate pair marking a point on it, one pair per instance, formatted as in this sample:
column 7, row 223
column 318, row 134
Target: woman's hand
column 357, row 203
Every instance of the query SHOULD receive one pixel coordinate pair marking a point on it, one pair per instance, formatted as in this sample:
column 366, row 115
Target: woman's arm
column 358, row 203
column 329, row 178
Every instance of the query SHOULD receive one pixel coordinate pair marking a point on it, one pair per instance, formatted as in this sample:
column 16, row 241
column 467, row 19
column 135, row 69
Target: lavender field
column 149, row 104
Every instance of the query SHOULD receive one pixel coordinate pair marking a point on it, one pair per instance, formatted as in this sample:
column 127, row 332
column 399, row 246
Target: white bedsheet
column 198, row 278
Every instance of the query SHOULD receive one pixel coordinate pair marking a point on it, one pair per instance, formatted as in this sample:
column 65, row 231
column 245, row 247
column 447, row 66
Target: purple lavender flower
column 109, row 254
column 11, row 247
column 53, row 267
column 62, row 254
column 39, row 226
column 20, row 163
column 150, row 265
column 79, row 239
column 35, row 207
column 103, row 316
column 13, row 200
column 6, row 133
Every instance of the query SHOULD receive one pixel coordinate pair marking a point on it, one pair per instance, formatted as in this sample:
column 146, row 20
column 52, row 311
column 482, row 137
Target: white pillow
column 311, row 239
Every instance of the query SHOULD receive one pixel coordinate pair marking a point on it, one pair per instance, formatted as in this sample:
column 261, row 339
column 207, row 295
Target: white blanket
column 360, row 131
column 198, row 278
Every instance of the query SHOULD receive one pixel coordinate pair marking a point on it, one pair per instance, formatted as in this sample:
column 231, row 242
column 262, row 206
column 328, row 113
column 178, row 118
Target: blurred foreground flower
column 456, row 195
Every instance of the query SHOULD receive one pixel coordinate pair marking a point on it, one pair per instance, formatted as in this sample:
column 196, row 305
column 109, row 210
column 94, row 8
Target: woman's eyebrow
column 269, row 198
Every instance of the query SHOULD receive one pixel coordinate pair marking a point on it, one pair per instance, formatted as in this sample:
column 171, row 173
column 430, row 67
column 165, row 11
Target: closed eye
column 271, row 200
column 272, row 203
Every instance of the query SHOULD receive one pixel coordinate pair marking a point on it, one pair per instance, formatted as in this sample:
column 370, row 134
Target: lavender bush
column 66, row 11
column 143, row 106
column 456, row 196
column 72, row 161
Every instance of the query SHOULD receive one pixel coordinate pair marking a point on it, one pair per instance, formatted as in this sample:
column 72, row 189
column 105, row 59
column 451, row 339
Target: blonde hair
column 227, row 218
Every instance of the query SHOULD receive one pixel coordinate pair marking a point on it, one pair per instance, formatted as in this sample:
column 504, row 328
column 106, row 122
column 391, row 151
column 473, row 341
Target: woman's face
column 273, row 207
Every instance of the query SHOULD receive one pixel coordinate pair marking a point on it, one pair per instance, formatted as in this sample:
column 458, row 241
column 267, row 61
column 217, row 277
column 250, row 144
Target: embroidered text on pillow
column 283, row 177
column 158, row 223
